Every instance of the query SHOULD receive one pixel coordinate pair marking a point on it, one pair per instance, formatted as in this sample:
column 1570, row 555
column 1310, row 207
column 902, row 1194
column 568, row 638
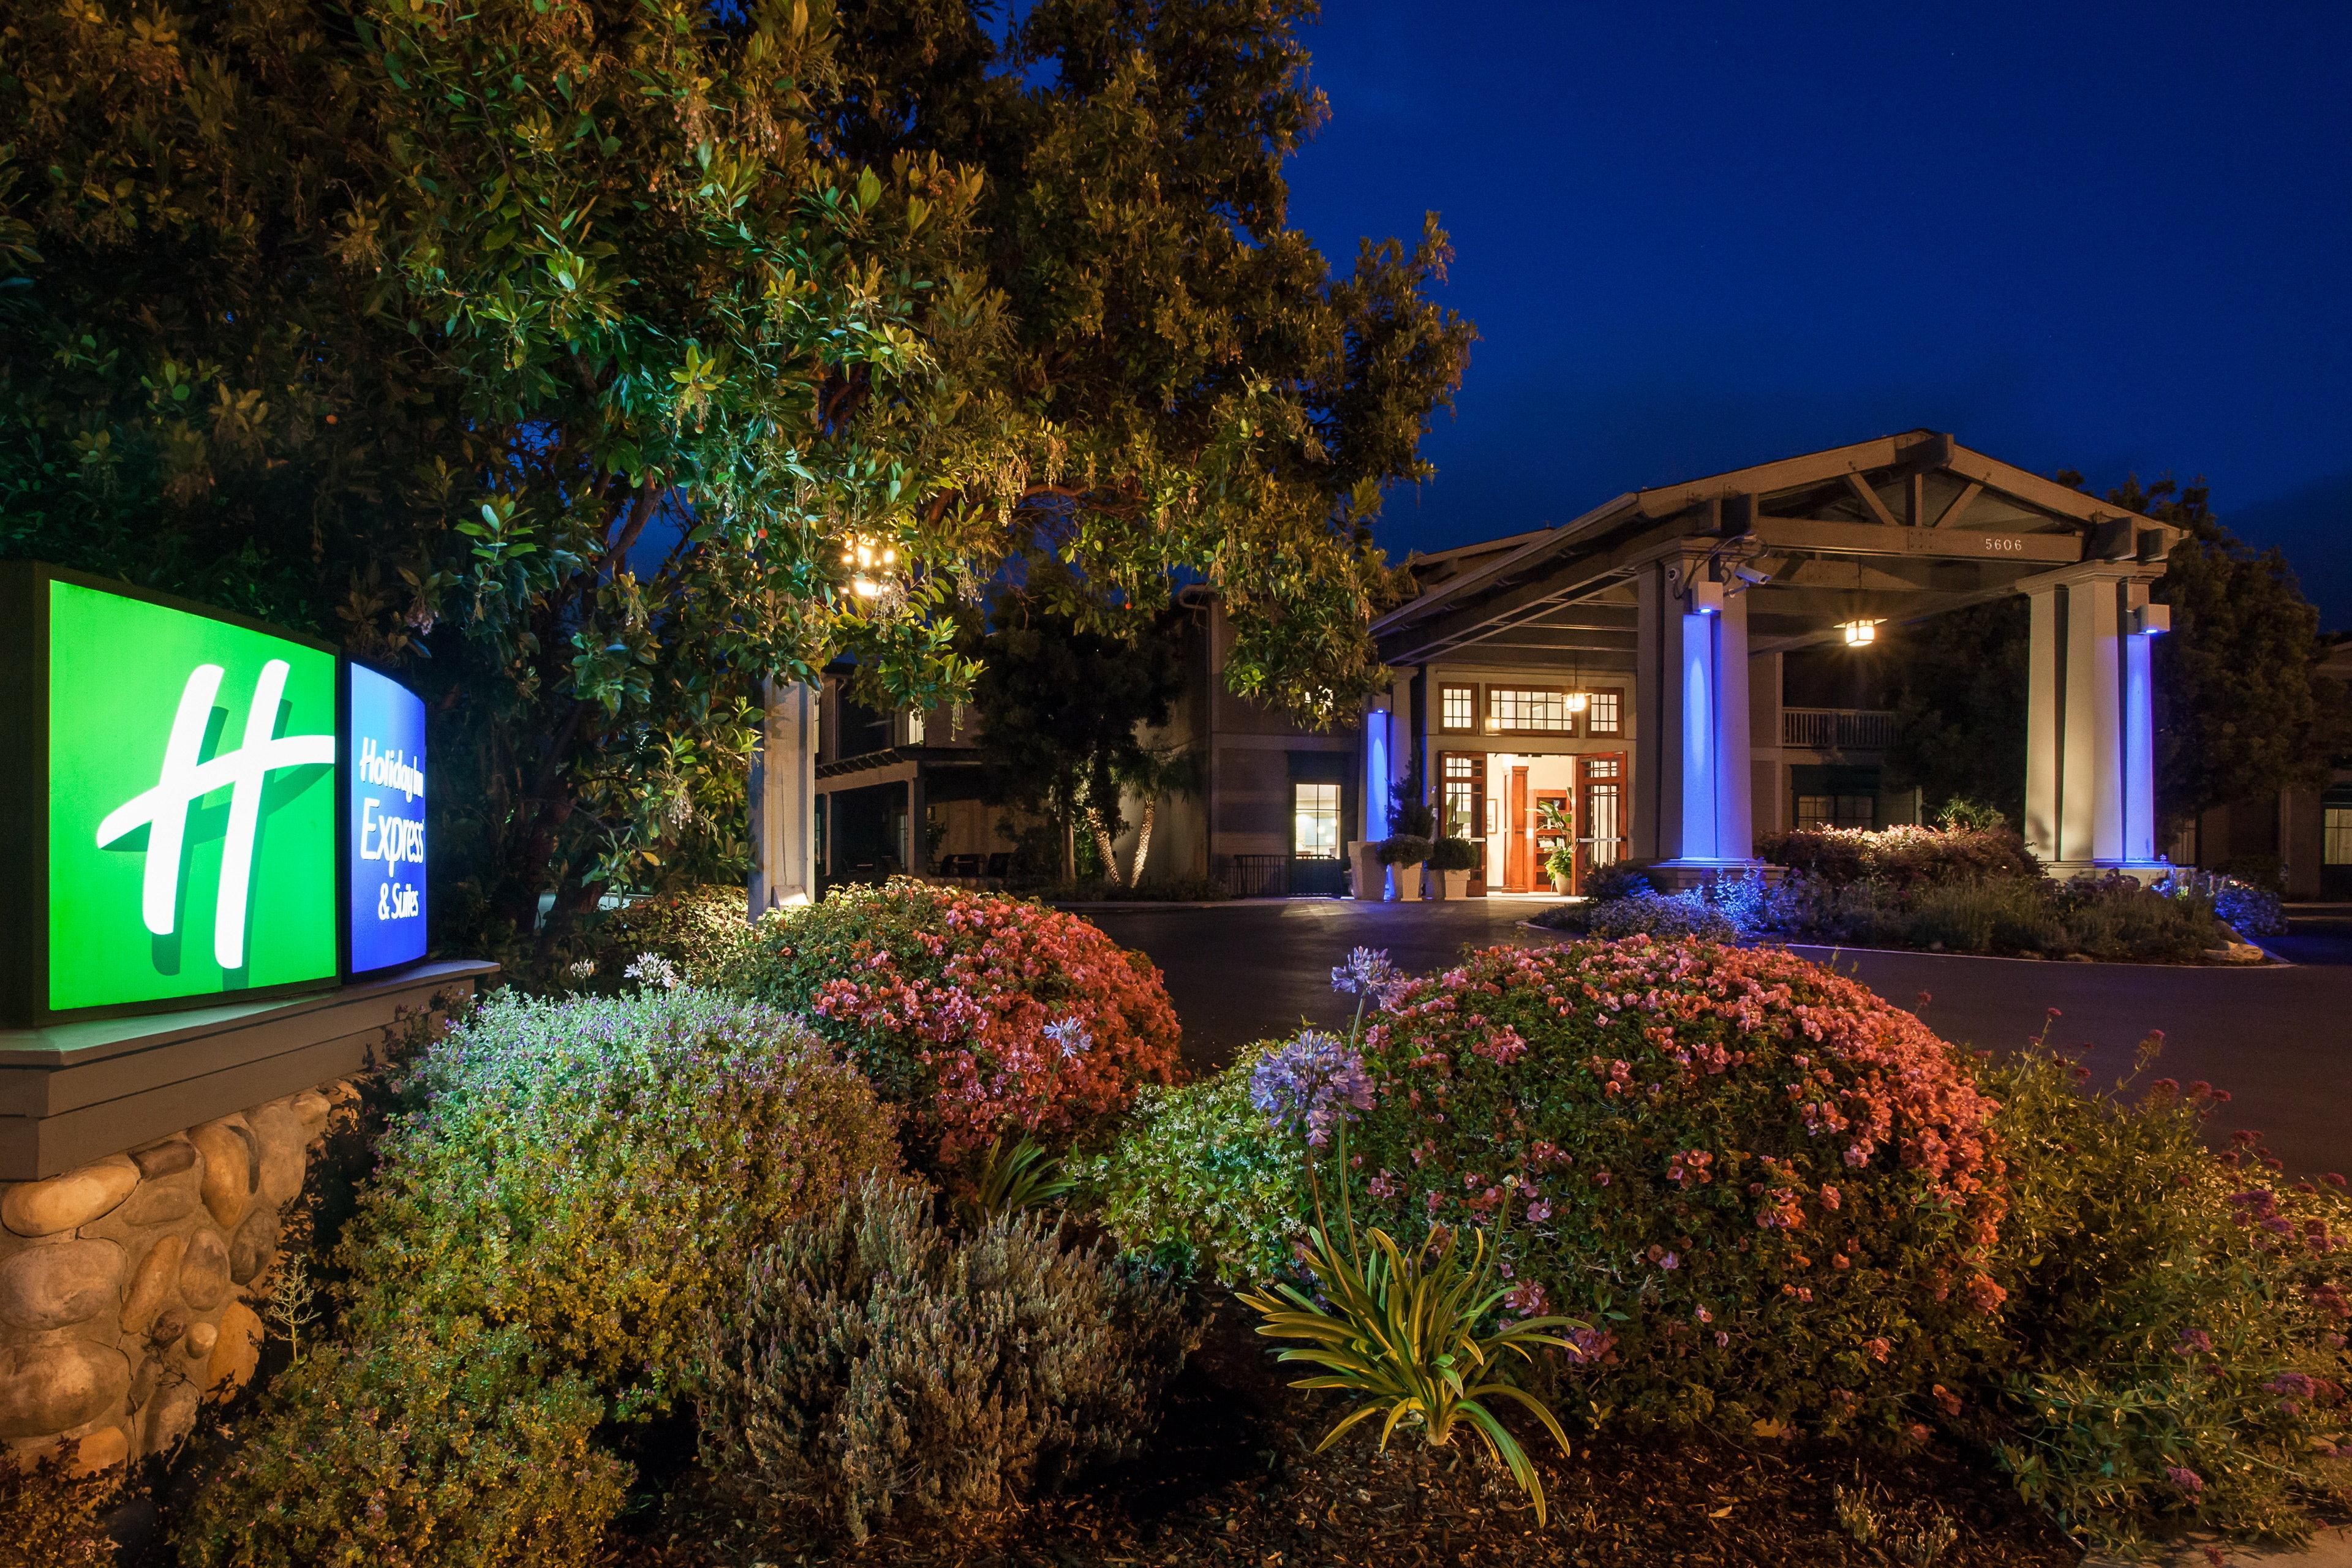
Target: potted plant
column 1453, row 859
column 1552, row 822
column 1405, row 851
column 1367, row 870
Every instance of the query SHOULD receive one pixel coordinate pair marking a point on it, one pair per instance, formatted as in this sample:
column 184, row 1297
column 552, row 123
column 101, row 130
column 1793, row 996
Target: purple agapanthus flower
column 1368, row 974
column 1312, row 1080
column 1071, row 1035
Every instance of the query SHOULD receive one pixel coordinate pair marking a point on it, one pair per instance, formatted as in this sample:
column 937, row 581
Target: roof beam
column 1869, row 497
column 1960, row 504
column 1823, row 537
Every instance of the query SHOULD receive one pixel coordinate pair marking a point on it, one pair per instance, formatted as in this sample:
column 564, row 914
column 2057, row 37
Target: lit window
column 1460, row 797
column 1315, row 834
column 1607, row 714
column 2335, row 836
column 1605, row 824
column 1457, row 707
column 1528, row 709
column 1600, row 768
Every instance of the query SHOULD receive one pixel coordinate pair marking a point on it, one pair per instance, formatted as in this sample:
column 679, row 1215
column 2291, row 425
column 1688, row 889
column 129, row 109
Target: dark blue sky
column 2114, row 237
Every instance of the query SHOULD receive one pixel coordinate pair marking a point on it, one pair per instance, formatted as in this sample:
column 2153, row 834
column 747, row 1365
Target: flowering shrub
column 2177, row 1321
column 946, row 998
column 1666, row 916
column 1902, row 857
column 693, row 931
column 1199, row 1181
column 590, row 1169
column 453, row 1449
column 1776, row 1194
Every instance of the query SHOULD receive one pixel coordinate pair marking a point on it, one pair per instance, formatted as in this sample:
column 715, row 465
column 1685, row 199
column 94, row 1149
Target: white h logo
column 163, row 810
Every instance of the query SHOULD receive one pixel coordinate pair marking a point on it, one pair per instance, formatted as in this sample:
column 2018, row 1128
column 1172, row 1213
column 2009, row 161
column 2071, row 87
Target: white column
column 2045, row 709
column 784, row 800
column 1692, row 691
column 2089, row 755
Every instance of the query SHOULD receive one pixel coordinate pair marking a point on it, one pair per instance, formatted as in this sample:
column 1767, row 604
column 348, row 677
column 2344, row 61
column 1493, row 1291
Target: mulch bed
column 1230, row 1481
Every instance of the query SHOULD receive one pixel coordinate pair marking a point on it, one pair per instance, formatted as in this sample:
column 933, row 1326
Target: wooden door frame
column 1518, row 844
column 1476, row 832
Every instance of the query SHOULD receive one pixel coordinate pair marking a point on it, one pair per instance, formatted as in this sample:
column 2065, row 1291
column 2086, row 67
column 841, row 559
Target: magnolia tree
column 556, row 353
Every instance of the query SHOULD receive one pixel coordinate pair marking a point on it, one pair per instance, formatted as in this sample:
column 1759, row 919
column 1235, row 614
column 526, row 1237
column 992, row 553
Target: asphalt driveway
column 2280, row 1039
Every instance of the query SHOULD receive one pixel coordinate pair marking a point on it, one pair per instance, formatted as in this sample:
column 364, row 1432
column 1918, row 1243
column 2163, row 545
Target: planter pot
column 1372, row 878
column 1413, row 882
column 1457, row 884
column 1560, row 885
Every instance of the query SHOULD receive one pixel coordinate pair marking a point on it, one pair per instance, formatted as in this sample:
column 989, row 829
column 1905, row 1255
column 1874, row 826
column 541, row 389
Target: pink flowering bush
column 2176, row 1318
column 979, row 1015
column 1773, row 1197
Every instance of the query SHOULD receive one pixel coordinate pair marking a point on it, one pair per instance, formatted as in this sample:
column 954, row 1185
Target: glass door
column 1462, row 806
column 1601, row 821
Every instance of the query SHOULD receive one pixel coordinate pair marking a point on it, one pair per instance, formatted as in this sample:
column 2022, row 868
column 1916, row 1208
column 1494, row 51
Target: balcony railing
column 1837, row 729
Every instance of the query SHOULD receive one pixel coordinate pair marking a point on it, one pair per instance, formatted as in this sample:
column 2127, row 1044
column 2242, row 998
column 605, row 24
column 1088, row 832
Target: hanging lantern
column 1859, row 633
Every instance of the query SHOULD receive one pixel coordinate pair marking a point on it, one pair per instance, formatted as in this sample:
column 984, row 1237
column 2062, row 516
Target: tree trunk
column 1103, row 848
column 1070, row 846
column 1143, row 841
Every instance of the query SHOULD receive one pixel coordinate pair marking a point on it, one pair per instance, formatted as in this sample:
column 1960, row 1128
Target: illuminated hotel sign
column 385, row 801
column 179, row 793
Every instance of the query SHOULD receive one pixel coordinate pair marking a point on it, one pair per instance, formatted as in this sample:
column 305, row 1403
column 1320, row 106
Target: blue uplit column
column 1693, row 803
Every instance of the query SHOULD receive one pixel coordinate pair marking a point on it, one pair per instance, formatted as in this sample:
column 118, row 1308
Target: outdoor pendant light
column 1859, row 633
column 870, row 565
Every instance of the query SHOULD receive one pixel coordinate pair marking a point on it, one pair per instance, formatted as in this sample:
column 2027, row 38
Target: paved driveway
column 2280, row 1039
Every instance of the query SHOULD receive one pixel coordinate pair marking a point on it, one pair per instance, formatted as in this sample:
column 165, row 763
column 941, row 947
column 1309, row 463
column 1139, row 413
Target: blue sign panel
column 386, row 807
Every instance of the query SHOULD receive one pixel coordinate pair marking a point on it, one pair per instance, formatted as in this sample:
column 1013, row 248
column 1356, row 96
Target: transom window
column 1457, row 707
column 1600, row 768
column 1315, row 812
column 1606, row 713
column 1528, row 710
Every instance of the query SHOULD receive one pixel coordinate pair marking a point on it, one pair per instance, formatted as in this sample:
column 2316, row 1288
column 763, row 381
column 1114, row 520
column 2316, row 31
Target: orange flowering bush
column 1773, row 1197
column 979, row 1015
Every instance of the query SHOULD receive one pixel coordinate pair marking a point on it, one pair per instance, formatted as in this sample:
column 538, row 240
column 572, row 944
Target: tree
column 2241, row 711
column 1957, row 681
column 1184, row 385
column 1061, row 710
column 552, row 351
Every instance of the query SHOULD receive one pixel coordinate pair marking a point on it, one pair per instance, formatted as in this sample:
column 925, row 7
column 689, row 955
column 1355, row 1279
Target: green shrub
column 1406, row 849
column 2176, row 1346
column 694, row 932
column 872, row 1370
column 590, row 1169
column 1619, row 879
column 2116, row 917
column 1454, row 854
column 1902, row 857
column 1199, row 1182
column 980, row 1017
column 414, row 1453
column 49, row 1517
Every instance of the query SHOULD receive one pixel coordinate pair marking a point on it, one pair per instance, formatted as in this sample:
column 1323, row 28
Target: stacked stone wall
column 131, row 1289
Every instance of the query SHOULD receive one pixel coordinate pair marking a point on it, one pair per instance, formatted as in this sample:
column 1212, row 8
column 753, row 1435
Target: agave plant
column 1014, row 1181
column 1416, row 1336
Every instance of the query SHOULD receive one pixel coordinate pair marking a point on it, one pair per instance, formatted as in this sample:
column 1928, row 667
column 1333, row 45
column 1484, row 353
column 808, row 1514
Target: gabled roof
column 1887, row 501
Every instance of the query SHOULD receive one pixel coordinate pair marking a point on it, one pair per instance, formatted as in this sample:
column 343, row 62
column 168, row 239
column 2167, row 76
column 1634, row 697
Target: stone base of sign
column 133, row 1283
column 73, row 1093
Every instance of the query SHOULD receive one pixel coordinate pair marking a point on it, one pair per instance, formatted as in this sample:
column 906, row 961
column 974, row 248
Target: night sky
column 2116, row 238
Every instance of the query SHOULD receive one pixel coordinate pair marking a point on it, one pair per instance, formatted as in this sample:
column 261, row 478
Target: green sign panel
column 191, row 805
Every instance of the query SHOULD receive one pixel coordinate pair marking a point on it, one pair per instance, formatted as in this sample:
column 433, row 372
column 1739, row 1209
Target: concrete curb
column 2276, row 963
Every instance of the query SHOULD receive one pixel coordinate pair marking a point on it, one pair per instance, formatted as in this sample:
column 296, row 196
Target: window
column 1601, row 768
column 1464, row 814
column 1606, row 715
column 1604, row 823
column 1315, row 827
column 1837, row 811
column 2336, row 835
column 1528, row 710
column 1457, row 707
